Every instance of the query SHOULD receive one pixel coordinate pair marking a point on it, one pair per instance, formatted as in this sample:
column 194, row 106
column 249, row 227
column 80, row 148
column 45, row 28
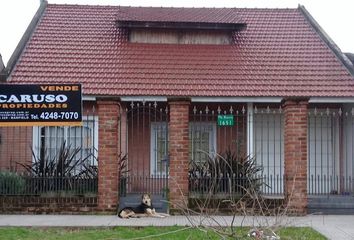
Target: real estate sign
column 40, row 105
column 226, row 120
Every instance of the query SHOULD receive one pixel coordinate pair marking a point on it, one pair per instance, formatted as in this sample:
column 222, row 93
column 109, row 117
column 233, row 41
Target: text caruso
column 35, row 98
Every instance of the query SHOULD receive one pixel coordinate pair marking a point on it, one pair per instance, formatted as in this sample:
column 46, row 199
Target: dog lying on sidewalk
column 144, row 209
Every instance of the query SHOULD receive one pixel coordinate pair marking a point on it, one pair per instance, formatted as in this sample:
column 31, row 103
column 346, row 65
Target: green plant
column 62, row 164
column 123, row 170
column 11, row 183
column 66, row 171
column 123, row 164
column 227, row 173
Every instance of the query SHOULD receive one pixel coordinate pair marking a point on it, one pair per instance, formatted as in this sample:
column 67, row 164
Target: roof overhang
column 180, row 25
column 224, row 99
column 205, row 99
column 237, row 99
column 331, row 100
column 144, row 99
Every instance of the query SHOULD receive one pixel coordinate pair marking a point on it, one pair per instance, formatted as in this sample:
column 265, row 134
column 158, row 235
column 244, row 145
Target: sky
column 335, row 17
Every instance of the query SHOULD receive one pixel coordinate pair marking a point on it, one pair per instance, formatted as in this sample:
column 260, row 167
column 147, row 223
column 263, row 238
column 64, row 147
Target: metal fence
column 223, row 187
column 224, row 157
column 17, row 184
column 133, row 184
column 230, row 157
column 50, row 160
column 331, row 151
column 258, row 133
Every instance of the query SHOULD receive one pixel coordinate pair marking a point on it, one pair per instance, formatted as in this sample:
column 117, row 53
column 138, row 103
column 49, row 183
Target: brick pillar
column 295, row 143
column 108, row 117
column 179, row 153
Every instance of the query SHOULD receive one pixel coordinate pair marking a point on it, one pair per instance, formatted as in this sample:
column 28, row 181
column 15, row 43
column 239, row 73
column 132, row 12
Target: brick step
column 332, row 199
column 331, row 205
column 333, row 211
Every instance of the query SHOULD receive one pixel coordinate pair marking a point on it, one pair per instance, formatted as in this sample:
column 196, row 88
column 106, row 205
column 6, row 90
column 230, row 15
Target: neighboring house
column 2, row 68
column 156, row 80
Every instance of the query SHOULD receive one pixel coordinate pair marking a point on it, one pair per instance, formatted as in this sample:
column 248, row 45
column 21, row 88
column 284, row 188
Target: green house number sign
column 226, row 120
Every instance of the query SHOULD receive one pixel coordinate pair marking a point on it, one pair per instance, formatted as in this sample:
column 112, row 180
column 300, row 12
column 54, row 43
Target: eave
column 180, row 25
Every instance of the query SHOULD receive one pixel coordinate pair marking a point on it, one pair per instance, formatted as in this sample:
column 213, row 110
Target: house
column 2, row 67
column 167, row 87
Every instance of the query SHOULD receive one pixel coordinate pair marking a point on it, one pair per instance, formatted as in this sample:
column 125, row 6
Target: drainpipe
column 250, row 131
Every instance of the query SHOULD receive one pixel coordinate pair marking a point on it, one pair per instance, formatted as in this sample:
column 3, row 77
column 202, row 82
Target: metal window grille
column 330, row 151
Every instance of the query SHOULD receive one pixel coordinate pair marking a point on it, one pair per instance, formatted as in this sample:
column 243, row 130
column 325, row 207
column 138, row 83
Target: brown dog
column 144, row 209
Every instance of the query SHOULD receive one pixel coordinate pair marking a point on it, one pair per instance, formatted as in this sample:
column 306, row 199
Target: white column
column 250, row 130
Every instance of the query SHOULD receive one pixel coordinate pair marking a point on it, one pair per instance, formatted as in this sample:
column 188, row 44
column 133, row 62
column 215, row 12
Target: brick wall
column 295, row 143
column 179, row 152
column 48, row 205
column 15, row 147
column 108, row 114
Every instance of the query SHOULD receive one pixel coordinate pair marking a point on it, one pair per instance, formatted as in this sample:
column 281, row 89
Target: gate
column 144, row 152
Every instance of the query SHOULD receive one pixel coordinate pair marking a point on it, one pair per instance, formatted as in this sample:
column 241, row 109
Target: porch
column 220, row 151
column 185, row 149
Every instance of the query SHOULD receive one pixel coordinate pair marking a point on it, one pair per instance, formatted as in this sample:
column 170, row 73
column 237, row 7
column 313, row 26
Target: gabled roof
column 278, row 54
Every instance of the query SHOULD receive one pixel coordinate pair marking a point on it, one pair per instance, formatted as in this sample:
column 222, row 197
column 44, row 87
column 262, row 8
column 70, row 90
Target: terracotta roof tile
column 278, row 54
column 195, row 15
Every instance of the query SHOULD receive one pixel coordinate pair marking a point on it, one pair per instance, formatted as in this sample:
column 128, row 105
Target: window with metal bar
column 202, row 141
column 48, row 140
column 323, row 140
column 159, row 146
column 269, row 148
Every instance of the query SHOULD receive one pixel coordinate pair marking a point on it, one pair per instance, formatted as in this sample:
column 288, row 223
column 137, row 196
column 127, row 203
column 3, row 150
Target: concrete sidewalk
column 332, row 226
